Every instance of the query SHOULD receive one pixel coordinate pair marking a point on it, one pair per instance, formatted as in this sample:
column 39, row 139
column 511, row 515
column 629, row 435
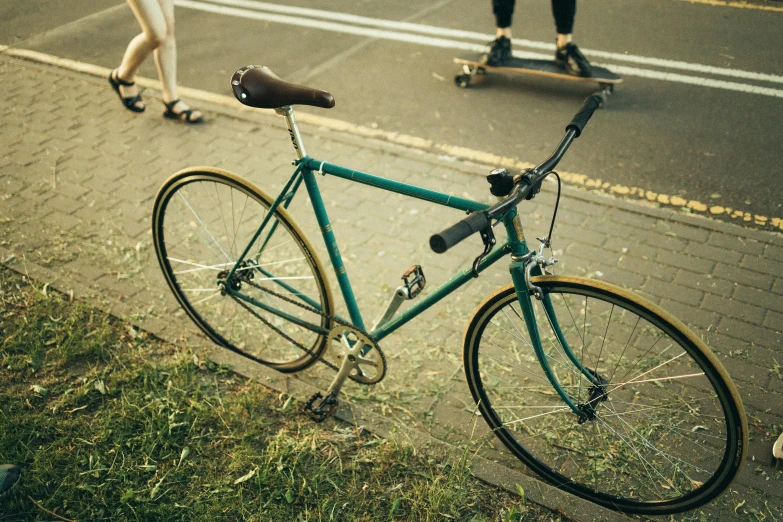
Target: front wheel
column 203, row 220
column 662, row 428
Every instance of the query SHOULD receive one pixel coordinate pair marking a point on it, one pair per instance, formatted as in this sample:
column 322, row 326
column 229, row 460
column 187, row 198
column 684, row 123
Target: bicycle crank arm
column 400, row 295
column 320, row 408
column 347, row 365
column 413, row 282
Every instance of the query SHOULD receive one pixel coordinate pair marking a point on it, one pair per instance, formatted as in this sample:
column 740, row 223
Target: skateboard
column 476, row 65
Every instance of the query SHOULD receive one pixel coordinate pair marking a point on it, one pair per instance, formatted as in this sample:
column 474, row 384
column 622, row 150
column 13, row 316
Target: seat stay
column 287, row 199
column 278, row 201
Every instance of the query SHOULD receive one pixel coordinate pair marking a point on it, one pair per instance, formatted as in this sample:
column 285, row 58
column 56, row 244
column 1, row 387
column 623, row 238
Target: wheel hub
column 597, row 393
column 242, row 274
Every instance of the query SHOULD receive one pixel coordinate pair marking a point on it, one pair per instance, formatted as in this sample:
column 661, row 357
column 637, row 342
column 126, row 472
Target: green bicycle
column 600, row 392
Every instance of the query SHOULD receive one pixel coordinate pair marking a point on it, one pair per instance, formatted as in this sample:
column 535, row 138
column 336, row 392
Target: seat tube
column 332, row 248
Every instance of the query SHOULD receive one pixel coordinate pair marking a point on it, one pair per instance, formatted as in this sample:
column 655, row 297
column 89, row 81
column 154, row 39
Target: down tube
column 442, row 291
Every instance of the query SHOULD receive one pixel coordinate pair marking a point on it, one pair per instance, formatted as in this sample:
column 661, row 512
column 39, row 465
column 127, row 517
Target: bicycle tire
column 194, row 245
column 675, row 409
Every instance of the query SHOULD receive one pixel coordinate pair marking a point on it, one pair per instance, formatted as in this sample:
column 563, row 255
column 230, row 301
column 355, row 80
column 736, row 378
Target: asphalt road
column 698, row 116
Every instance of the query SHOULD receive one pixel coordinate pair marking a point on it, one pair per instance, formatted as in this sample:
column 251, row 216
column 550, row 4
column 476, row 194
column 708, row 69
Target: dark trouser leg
column 564, row 12
column 503, row 9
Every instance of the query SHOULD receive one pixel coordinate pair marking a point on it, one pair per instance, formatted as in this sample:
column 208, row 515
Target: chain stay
column 315, row 311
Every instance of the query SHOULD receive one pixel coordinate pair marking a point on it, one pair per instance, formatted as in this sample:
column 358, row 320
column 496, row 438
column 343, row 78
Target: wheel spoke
column 202, row 222
column 647, row 439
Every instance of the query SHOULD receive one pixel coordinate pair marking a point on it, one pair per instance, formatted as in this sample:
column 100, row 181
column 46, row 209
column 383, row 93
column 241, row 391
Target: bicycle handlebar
column 583, row 115
column 482, row 219
column 459, row 231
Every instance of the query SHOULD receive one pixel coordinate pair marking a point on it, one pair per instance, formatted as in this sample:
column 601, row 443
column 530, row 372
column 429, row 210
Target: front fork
column 525, row 264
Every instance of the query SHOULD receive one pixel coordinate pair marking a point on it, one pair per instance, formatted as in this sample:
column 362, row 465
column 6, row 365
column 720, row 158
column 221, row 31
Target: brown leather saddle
column 258, row 86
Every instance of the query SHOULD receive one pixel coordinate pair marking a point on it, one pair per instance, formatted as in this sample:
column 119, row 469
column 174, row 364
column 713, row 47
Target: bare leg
column 166, row 53
column 156, row 18
column 563, row 40
column 153, row 27
column 166, row 62
column 503, row 31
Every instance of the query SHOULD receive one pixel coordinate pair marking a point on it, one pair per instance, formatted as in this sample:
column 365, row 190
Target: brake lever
column 488, row 237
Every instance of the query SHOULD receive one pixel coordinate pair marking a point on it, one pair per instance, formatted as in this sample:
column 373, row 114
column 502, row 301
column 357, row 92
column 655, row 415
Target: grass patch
column 109, row 423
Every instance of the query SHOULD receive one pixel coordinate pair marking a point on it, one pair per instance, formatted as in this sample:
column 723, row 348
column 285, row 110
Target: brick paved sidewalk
column 78, row 175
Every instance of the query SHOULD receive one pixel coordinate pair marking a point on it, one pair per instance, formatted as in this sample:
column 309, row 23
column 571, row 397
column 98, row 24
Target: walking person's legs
column 153, row 32
column 156, row 18
column 166, row 62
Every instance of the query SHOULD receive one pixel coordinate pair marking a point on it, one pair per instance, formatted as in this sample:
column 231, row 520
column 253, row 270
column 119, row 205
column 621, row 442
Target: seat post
column 293, row 130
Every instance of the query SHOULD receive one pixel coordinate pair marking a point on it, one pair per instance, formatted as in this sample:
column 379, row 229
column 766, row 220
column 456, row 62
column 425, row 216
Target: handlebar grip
column 583, row 116
column 459, row 231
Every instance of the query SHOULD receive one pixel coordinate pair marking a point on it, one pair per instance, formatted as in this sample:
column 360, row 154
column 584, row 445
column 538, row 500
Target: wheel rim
column 202, row 222
column 664, row 441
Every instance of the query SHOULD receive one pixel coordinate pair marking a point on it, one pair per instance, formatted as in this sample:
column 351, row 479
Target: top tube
column 322, row 167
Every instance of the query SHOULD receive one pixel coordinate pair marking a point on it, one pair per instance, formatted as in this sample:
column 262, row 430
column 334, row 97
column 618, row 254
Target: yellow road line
column 740, row 5
column 463, row 153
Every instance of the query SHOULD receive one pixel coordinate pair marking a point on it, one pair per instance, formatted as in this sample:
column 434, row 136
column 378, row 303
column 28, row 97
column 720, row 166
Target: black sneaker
column 572, row 60
column 9, row 475
column 499, row 52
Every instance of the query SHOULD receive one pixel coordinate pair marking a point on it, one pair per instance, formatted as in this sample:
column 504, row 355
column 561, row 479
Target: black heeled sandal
column 128, row 101
column 187, row 113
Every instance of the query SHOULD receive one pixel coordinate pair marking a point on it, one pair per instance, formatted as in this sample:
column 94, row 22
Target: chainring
column 370, row 367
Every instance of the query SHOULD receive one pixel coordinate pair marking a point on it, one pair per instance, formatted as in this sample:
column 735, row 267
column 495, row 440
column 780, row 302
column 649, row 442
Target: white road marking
column 389, row 30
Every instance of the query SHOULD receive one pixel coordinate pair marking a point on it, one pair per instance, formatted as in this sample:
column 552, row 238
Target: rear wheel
column 202, row 221
column 662, row 428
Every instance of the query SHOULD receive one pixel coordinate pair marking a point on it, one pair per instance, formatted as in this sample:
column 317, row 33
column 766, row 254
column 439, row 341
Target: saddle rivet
column 243, row 95
column 235, row 82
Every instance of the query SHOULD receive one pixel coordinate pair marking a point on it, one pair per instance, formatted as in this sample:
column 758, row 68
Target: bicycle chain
column 309, row 309
column 280, row 332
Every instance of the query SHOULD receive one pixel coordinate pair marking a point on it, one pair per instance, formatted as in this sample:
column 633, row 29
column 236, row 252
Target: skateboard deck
column 473, row 65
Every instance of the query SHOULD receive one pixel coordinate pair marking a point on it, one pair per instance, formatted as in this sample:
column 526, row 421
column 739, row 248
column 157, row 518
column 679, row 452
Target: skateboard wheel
column 462, row 80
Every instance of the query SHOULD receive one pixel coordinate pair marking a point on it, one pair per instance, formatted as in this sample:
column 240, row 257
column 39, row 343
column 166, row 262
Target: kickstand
column 488, row 237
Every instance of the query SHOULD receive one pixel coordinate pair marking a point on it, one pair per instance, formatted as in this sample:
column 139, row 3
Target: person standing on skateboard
column 567, row 54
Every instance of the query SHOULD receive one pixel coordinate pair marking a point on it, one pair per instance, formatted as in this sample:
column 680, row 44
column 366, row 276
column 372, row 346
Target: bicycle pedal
column 323, row 410
column 414, row 281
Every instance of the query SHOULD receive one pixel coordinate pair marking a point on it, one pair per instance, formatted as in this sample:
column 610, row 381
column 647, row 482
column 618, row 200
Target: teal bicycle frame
column 514, row 245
